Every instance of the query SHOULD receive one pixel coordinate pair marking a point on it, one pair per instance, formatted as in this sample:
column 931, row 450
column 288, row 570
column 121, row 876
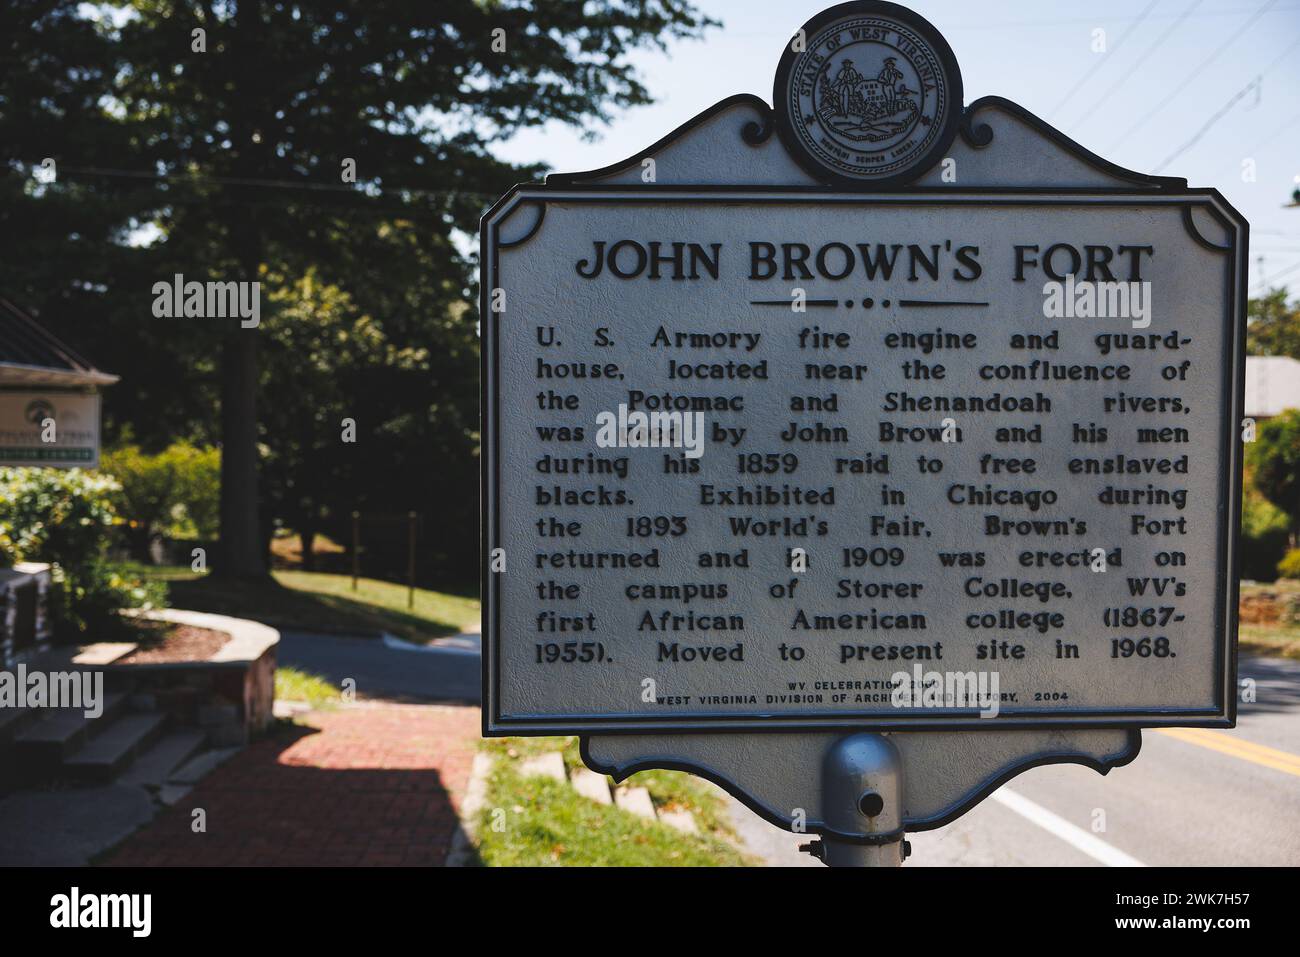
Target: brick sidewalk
column 365, row 785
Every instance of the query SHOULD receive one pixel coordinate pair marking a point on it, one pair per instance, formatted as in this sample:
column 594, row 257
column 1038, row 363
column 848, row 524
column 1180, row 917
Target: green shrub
column 66, row 518
column 175, row 493
column 1273, row 460
column 89, row 601
column 1264, row 535
column 1290, row 609
column 1289, row 566
column 56, row 515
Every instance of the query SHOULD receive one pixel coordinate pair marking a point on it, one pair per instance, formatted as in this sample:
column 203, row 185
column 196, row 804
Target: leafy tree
column 228, row 125
column 1265, row 530
column 323, row 344
column 1273, row 326
column 1274, row 458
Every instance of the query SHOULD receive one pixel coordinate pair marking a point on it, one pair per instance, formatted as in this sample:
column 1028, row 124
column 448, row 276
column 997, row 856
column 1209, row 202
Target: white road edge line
column 466, row 644
column 1077, row 837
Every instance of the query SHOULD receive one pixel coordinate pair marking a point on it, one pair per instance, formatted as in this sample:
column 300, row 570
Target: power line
column 1289, row 269
column 988, row 23
column 1223, row 111
column 1141, row 60
column 267, row 183
column 1287, row 127
column 1267, row 282
column 1257, row 85
column 991, row 24
column 1192, row 75
column 1103, row 60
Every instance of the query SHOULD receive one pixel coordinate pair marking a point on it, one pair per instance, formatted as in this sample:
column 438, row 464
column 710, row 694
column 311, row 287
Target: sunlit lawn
column 1281, row 638
column 317, row 601
column 535, row 821
column 292, row 684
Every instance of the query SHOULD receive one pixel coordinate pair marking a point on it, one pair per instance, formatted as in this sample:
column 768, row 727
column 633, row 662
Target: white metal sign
column 49, row 429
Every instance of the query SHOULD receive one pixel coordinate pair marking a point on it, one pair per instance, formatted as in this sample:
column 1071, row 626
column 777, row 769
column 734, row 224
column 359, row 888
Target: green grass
column 315, row 601
column 1275, row 640
column 454, row 613
column 1280, row 639
column 294, row 685
column 543, row 822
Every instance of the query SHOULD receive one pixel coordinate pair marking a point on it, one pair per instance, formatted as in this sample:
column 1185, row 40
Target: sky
column 1190, row 88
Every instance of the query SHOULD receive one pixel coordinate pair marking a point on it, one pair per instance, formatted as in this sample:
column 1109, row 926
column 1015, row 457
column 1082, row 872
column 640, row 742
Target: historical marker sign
column 49, row 429
column 794, row 449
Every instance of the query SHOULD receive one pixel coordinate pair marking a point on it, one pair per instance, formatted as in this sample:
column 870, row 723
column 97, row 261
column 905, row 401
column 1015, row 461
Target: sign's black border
column 1223, row 715
column 951, row 119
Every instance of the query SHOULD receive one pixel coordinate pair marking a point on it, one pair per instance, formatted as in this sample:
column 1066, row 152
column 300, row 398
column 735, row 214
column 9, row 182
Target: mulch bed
column 175, row 643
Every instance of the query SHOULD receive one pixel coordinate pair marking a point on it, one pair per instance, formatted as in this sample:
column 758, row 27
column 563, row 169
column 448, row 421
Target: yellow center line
column 1220, row 741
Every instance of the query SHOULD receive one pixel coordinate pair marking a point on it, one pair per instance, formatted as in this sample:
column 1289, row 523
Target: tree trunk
column 241, row 553
column 138, row 539
column 244, row 539
column 308, row 538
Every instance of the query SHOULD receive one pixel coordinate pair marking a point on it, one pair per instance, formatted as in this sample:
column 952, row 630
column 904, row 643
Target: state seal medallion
column 867, row 94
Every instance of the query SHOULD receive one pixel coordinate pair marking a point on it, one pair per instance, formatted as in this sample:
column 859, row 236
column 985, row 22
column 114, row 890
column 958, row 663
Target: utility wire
column 1278, row 275
column 1287, row 127
column 1193, row 74
column 1104, row 59
column 989, row 23
column 1223, row 111
column 1141, row 61
column 1257, row 86
column 269, row 183
column 1267, row 283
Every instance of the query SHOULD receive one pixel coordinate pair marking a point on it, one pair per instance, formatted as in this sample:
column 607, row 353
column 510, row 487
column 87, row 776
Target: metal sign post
column 861, row 451
column 862, row 790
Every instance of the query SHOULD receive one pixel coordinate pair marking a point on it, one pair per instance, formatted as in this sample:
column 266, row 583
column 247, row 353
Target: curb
column 462, row 852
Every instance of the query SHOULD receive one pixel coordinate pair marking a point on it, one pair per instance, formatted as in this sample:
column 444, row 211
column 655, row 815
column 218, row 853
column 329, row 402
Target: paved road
column 447, row 671
column 1191, row 797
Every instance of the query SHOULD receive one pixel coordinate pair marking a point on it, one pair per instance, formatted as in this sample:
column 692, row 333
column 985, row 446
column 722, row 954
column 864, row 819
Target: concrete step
column 58, row 733
column 108, row 753
column 195, row 768
column 92, row 656
column 154, row 767
column 549, row 765
column 13, row 721
column 683, row 821
column 593, row 786
column 101, row 657
column 102, row 653
column 635, row 800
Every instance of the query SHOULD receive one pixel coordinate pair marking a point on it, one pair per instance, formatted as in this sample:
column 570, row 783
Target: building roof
column 1272, row 385
column 30, row 356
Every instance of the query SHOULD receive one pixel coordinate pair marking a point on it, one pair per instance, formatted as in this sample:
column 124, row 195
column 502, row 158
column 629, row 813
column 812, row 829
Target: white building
column 43, row 383
column 1272, row 385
